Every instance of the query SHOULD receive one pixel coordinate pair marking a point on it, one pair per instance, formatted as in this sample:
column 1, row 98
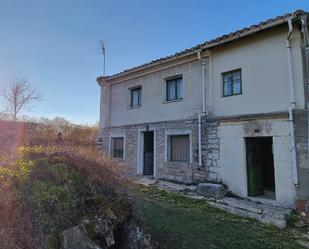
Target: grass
column 179, row 222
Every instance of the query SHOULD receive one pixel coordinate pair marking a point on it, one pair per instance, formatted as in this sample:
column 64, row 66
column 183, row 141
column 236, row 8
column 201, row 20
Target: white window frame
column 110, row 145
column 164, row 89
column 175, row 132
column 130, row 97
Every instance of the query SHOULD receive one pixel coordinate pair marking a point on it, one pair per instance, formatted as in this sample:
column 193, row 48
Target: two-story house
column 231, row 110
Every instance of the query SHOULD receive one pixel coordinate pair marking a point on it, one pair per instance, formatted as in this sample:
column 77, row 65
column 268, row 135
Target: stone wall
column 174, row 171
column 212, row 148
column 301, row 137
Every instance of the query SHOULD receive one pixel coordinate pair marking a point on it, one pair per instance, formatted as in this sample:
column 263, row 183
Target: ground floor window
column 179, row 148
column 117, row 147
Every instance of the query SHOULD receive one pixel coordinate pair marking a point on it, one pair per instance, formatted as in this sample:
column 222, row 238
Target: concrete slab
column 264, row 213
column 146, row 181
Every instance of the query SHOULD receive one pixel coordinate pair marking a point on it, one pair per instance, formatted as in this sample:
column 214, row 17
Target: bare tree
column 18, row 94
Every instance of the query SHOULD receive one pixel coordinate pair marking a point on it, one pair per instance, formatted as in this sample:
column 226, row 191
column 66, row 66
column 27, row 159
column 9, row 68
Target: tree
column 18, row 94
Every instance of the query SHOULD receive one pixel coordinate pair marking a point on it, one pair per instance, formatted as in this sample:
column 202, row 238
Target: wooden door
column 254, row 166
column 148, row 152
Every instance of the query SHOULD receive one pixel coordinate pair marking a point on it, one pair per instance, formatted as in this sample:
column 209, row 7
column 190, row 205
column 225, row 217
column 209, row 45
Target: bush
column 46, row 187
column 52, row 205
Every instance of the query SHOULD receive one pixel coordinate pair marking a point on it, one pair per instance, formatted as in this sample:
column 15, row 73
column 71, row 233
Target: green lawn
column 179, row 222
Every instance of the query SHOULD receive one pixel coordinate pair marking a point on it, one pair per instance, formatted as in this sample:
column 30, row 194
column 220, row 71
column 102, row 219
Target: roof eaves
column 209, row 44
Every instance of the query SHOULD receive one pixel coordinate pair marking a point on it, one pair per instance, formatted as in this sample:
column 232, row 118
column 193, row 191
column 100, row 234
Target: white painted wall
column 263, row 61
column 154, row 108
column 232, row 162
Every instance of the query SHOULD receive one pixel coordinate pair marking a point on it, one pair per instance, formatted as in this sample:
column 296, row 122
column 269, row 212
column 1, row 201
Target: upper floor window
column 174, row 88
column 232, row 83
column 136, row 97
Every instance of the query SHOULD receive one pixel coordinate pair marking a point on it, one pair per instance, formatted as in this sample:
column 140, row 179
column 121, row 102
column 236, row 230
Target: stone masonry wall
column 212, row 143
column 301, row 137
column 175, row 171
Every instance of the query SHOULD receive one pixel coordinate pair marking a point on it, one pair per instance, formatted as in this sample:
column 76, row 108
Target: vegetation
column 46, row 184
column 180, row 222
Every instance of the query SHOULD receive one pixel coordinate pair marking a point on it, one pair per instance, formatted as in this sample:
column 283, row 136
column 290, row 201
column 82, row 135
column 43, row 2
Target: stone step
column 264, row 213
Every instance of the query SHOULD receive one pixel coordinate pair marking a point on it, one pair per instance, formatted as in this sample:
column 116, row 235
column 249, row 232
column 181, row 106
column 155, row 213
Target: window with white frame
column 136, row 97
column 174, row 88
column 117, row 147
column 179, row 148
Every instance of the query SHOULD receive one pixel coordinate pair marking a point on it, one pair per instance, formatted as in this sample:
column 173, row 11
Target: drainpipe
column 292, row 104
column 200, row 140
column 203, row 108
column 210, row 95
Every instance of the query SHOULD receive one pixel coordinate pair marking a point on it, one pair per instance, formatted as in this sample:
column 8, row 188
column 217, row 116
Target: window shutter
column 180, row 148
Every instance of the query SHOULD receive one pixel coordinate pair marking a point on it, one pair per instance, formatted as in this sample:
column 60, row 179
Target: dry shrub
column 41, row 134
column 11, row 137
column 88, row 161
column 19, row 225
column 16, row 226
column 94, row 164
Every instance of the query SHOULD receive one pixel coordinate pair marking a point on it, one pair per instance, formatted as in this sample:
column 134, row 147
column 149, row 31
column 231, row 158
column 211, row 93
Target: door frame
column 246, row 168
column 140, row 152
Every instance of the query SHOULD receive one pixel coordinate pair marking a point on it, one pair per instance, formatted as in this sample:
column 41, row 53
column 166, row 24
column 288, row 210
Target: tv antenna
column 103, row 53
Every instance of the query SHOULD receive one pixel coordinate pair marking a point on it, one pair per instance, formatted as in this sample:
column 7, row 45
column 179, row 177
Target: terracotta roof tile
column 211, row 43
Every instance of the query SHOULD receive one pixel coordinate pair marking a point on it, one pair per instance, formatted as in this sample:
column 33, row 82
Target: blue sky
column 55, row 43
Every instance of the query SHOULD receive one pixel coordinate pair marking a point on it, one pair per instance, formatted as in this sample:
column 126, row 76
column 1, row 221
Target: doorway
column 148, row 154
column 260, row 167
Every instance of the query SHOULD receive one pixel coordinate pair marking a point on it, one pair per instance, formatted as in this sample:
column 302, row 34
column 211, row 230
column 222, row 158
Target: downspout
column 292, row 104
column 203, row 108
column 210, row 95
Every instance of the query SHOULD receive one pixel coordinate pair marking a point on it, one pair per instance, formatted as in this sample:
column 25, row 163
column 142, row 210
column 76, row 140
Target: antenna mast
column 103, row 52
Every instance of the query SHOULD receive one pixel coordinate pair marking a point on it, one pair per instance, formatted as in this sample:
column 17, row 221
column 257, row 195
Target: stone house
column 232, row 110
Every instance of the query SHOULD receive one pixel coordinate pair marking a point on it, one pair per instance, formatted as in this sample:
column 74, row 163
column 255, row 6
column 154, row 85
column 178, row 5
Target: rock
column 211, row 190
column 134, row 237
column 101, row 227
column 299, row 224
column 76, row 238
column 306, row 219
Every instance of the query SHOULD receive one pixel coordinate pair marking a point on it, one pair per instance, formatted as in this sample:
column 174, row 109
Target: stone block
column 211, row 190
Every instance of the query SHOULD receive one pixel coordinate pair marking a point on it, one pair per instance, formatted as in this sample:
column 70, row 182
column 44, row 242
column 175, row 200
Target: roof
column 212, row 43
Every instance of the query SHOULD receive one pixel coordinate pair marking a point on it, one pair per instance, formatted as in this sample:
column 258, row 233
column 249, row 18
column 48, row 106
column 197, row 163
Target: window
column 136, row 97
column 179, row 150
column 174, row 89
column 232, row 83
column 117, row 147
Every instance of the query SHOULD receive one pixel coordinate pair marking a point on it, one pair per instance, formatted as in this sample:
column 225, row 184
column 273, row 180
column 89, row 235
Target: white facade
column 154, row 108
column 265, row 81
column 232, row 168
column 262, row 59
